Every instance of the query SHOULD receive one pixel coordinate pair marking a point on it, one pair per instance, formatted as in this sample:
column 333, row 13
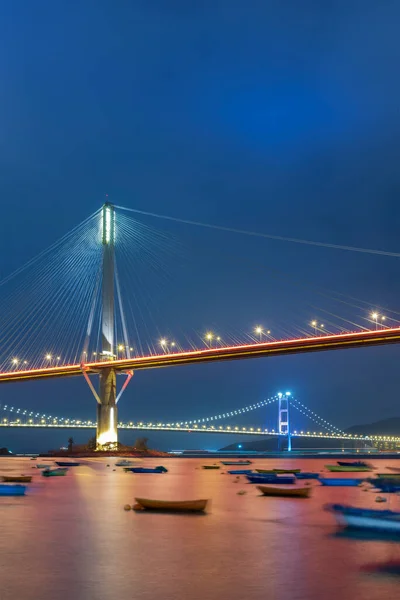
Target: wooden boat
column 339, row 469
column 306, row 475
column 269, row 478
column 354, row 463
column 293, row 492
column 362, row 518
column 12, row 490
column 54, row 472
column 389, row 486
column 17, row 478
column 240, row 472
column 236, row 462
column 340, row 481
column 170, row 506
column 279, row 471
column 66, row 463
column 210, row 467
column 144, row 470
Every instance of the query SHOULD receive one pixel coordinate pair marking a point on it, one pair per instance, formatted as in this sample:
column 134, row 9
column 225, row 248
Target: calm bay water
column 70, row 538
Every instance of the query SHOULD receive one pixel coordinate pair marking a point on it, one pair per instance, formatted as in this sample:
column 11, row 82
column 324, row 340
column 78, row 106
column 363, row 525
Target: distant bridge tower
column 283, row 419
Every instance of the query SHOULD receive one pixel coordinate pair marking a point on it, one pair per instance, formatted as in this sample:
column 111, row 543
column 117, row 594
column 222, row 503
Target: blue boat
column 388, row 486
column 270, row 478
column 340, row 481
column 306, row 475
column 143, row 470
column 366, row 518
column 240, row 472
column 12, row 490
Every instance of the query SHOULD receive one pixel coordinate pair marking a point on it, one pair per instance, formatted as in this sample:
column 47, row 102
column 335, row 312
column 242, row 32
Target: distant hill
column 385, row 427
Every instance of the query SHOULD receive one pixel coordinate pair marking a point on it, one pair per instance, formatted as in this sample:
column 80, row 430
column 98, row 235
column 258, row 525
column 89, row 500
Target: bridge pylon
column 283, row 419
column 107, row 398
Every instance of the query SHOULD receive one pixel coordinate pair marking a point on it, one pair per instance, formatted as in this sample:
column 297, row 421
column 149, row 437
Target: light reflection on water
column 70, row 538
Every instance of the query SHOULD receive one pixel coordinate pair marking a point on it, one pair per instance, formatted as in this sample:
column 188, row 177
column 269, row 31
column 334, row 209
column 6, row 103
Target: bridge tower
column 107, row 415
column 283, row 419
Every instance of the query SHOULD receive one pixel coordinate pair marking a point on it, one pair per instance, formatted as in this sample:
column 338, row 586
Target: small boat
column 170, row 506
column 259, row 478
column 124, row 463
column 293, row 492
column 40, row 466
column 12, row 490
column 143, row 470
column 355, row 463
column 389, row 486
column 394, row 476
column 210, row 467
column 66, row 463
column 348, row 469
column 54, row 472
column 279, row 471
column 236, row 462
column 17, row 478
column 240, row 472
column 306, row 475
column 340, row 481
column 365, row 518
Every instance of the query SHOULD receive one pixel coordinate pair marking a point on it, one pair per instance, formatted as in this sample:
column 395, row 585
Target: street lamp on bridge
column 376, row 317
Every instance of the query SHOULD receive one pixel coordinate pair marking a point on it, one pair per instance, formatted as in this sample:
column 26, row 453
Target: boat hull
column 270, row 479
column 17, row 478
column 240, row 472
column 209, row 467
column 370, row 519
column 143, row 470
column 338, row 481
column 279, row 471
column 292, row 492
column 235, row 462
column 12, row 490
column 62, row 463
column 339, row 469
column 173, row 506
column 306, row 475
column 54, row 472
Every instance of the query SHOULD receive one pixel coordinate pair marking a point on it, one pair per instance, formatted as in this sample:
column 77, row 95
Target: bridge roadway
column 341, row 341
column 74, row 424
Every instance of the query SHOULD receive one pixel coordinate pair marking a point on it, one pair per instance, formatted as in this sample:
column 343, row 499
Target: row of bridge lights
column 209, row 338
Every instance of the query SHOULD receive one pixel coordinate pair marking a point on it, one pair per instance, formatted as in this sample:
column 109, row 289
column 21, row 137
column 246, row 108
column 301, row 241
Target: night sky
column 269, row 116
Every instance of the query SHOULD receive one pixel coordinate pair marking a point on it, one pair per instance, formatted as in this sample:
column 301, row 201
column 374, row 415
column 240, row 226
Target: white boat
column 365, row 518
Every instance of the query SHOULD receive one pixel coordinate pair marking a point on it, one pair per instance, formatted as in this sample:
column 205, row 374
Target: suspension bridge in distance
column 109, row 365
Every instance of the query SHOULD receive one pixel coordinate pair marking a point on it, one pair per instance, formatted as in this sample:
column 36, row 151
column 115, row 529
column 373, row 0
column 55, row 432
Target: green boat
column 210, row 467
column 54, row 472
column 389, row 475
column 340, row 469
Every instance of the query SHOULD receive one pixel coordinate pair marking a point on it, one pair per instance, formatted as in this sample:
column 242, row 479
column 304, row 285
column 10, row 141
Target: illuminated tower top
column 108, row 221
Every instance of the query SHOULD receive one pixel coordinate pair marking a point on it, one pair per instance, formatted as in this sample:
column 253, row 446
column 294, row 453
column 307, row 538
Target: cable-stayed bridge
column 71, row 311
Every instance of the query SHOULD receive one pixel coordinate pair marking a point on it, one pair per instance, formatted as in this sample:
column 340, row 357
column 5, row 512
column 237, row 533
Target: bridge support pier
column 107, row 413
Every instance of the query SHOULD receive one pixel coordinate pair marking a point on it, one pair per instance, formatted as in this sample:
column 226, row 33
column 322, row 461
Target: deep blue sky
column 279, row 117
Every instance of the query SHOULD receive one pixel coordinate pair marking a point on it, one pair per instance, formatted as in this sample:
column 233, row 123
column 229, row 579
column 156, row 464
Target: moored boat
column 17, row 478
column 12, row 490
column 354, row 463
column 279, row 471
column 389, row 486
column 40, row 466
column 67, row 463
column 210, row 467
column 54, row 472
column 306, row 475
column 395, row 469
column 362, row 518
column 293, row 492
column 236, row 462
column 346, row 469
column 171, row 506
column 394, row 476
column 240, row 472
column 269, row 478
column 340, row 481
column 144, row 470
